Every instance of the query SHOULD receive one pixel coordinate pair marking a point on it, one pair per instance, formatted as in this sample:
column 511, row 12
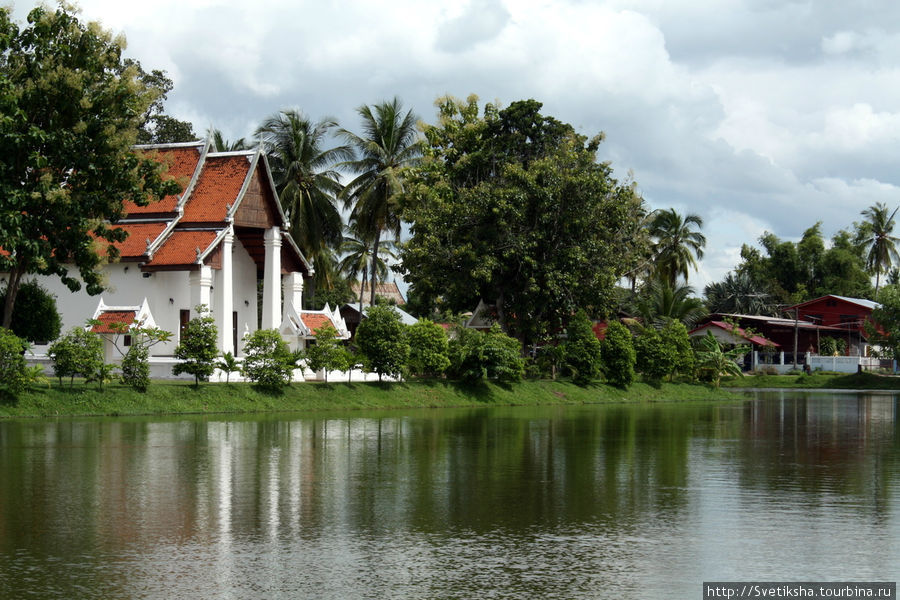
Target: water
column 576, row 502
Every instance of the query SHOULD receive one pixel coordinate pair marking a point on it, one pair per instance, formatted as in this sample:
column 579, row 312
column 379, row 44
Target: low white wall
column 841, row 364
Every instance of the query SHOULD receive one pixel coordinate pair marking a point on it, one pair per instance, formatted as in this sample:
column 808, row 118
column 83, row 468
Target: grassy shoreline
column 181, row 398
column 176, row 397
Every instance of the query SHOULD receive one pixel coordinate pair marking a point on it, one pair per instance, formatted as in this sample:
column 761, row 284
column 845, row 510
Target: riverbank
column 816, row 380
column 176, row 397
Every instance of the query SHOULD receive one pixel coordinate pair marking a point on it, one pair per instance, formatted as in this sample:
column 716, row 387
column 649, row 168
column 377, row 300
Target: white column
column 201, row 282
column 225, row 298
column 292, row 285
column 271, row 310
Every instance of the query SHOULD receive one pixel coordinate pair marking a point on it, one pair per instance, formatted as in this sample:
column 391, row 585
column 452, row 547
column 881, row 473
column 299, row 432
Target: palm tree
column 662, row 302
column 738, row 293
column 676, row 246
column 876, row 239
column 358, row 259
column 385, row 150
column 307, row 182
column 223, row 145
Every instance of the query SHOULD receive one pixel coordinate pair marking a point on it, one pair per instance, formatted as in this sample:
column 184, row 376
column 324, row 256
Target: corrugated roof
column 180, row 248
column 738, row 331
column 219, row 184
column 386, row 290
column 111, row 319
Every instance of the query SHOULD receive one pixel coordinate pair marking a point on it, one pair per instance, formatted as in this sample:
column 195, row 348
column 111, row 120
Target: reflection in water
column 616, row 501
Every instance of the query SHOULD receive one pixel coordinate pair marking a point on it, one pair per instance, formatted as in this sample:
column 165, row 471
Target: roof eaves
column 253, row 158
column 285, row 224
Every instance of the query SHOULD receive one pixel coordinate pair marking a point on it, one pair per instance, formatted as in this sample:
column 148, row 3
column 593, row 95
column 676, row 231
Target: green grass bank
column 816, row 380
column 169, row 397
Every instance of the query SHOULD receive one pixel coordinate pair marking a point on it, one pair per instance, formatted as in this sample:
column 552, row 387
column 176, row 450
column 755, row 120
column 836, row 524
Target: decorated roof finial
column 197, row 250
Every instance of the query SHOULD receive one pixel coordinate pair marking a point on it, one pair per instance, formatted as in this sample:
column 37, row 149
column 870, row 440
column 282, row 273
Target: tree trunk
column 374, row 274
column 12, row 290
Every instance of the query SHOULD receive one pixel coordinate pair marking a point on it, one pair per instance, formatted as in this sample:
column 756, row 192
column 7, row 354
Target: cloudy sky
column 755, row 114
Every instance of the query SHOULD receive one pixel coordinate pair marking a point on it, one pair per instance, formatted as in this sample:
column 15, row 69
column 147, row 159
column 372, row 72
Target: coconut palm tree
column 307, row 182
column 387, row 147
column 876, row 240
column 358, row 259
column 738, row 293
column 677, row 247
column 661, row 303
column 223, row 145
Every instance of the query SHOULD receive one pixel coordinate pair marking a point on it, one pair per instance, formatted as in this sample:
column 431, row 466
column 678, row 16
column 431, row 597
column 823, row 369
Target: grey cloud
column 482, row 21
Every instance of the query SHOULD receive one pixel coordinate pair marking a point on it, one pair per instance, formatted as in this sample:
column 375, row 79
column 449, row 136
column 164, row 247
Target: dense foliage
column 76, row 353
column 582, row 349
column 12, row 362
column 476, row 355
column 71, row 112
column 267, row 359
column 513, row 207
column 713, row 361
column 35, row 317
column 197, row 349
column 327, row 354
column 617, row 355
column 654, row 357
column 136, row 368
column 428, row 349
column 381, row 339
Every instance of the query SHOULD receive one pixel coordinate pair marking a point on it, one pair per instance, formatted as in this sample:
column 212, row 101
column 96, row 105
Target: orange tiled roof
column 182, row 164
column 180, row 248
column 315, row 320
column 135, row 244
column 218, row 186
column 110, row 317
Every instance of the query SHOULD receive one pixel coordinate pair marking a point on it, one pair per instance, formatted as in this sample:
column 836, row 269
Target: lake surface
column 570, row 502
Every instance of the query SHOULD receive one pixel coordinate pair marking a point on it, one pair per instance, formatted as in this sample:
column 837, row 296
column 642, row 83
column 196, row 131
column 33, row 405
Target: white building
column 210, row 245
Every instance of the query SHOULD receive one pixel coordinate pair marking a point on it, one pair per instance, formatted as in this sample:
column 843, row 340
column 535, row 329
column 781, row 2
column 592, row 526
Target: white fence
column 839, row 364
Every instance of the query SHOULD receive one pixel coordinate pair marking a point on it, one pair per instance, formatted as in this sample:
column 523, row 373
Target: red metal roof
column 219, row 184
column 182, row 164
column 180, row 248
column 113, row 321
column 755, row 339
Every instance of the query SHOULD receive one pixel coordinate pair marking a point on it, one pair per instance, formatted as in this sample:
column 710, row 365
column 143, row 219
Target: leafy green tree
column 381, row 339
column 675, row 335
column 35, row 317
column 12, row 362
column 428, row 348
column 713, row 362
column 676, row 246
column 476, row 355
column 582, row 349
column 386, row 149
column 197, row 348
column 71, row 112
column 617, row 356
column 875, row 236
column 513, row 207
column 267, row 359
column 156, row 126
column 78, row 352
column 883, row 325
column 228, row 364
column 654, row 358
column 307, row 182
column 327, row 353
column 136, row 368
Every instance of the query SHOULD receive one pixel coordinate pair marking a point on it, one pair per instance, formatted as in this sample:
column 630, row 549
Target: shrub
column 476, row 355
column 582, row 349
column 136, row 368
column 428, row 348
column 653, row 356
column 13, row 375
column 35, row 316
column 617, row 355
column 327, row 353
column 197, row 349
column 267, row 359
column 382, row 342
column 675, row 334
column 78, row 352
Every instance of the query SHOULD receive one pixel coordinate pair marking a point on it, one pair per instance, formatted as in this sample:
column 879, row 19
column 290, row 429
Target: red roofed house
column 210, row 245
column 846, row 314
